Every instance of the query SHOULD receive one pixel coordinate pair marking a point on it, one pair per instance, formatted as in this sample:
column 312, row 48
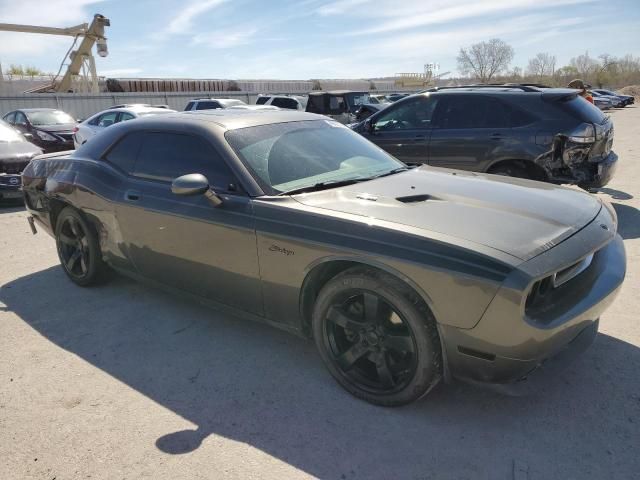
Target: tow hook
column 32, row 225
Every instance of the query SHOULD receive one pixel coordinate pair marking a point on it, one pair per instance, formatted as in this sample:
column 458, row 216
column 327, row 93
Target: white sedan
column 120, row 113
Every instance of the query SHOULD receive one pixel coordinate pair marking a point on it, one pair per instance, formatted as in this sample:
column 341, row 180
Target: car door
column 403, row 129
column 184, row 241
column 469, row 131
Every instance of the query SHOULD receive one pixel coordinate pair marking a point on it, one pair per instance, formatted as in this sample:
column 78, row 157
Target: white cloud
column 227, row 38
column 426, row 14
column 340, row 6
column 182, row 22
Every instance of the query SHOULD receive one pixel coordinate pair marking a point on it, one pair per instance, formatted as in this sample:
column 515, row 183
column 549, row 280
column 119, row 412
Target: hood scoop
column 415, row 198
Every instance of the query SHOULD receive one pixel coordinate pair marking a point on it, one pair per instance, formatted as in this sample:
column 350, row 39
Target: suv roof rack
column 520, row 86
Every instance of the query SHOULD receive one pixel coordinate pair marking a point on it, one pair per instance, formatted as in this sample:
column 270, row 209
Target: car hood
column 519, row 217
column 64, row 127
column 17, row 151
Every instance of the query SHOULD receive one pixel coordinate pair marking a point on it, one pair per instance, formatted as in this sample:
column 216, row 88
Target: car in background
column 549, row 134
column 290, row 102
column 367, row 109
column 341, row 105
column 603, row 103
column 15, row 153
column 253, row 107
column 394, row 97
column 402, row 276
column 376, row 99
column 626, row 99
column 93, row 125
column 47, row 128
column 616, row 101
column 212, row 103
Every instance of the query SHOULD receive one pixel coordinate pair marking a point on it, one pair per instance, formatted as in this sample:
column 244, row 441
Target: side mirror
column 368, row 126
column 195, row 184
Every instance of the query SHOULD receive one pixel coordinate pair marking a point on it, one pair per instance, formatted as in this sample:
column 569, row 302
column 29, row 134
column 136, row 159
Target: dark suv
column 545, row 134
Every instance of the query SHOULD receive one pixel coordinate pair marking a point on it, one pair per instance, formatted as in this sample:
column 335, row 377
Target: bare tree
column 542, row 65
column 484, row 60
column 584, row 64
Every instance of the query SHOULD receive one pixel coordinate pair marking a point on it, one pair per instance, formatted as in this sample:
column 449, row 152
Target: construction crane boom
column 81, row 72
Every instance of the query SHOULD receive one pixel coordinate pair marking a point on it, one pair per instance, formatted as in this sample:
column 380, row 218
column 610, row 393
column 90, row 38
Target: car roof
column 336, row 92
column 236, row 118
column 38, row 110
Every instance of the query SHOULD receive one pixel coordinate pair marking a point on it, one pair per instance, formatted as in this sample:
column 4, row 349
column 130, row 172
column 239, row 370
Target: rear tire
column 79, row 249
column 377, row 337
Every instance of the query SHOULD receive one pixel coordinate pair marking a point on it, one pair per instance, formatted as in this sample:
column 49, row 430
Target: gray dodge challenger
column 402, row 276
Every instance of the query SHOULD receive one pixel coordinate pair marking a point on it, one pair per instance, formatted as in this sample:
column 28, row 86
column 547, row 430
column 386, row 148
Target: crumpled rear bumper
column 605, row 172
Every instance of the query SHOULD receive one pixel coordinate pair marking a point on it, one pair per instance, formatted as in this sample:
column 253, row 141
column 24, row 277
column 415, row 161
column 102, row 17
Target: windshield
column 8, row 134
column 293, row 155
column 49, row 117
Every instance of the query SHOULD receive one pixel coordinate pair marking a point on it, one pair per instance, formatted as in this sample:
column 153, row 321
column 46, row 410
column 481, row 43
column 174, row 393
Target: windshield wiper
column 323, row 186
column 394, row 171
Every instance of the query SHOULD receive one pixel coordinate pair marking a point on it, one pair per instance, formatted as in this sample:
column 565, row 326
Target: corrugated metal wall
column 83, row 106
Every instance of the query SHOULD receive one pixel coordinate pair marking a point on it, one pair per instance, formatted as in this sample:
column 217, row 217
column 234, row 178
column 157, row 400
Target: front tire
column 78, row 248
column 376, row 337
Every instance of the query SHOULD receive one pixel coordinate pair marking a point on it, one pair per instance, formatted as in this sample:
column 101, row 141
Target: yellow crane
column 80, row 75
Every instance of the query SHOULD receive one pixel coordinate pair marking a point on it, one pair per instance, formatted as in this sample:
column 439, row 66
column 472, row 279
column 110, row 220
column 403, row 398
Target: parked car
column 394, row 97
column 86, row 130
column 15, row 153
column 367, row 109
column 616, row 101
column 212, row 103
column 378, row 99
column 403, row 276
column 341, row 105
column 253, row 107
column 603, row 103
column 47, row 128
column 290, row 102
column 548, row 134
column 626, row 99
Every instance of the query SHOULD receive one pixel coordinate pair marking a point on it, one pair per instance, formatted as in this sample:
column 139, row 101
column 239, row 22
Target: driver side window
column 412, row 114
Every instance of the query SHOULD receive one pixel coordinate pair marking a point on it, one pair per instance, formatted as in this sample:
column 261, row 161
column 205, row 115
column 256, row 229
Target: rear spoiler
column 558, row 94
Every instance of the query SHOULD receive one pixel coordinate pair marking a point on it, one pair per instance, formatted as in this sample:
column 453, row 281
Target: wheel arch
column 538, row 172
column 318, row 273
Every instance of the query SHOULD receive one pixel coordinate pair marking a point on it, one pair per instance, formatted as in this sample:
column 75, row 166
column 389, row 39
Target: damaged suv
column 548, row 134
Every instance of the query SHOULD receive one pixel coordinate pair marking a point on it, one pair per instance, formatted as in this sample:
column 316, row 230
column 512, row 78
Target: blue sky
column 316, row 38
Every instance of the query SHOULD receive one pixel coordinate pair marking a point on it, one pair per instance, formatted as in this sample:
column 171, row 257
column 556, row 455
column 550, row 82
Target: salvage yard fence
column 82, row 106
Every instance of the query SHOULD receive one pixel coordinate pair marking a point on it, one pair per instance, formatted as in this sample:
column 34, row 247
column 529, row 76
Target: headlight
column 45, row 136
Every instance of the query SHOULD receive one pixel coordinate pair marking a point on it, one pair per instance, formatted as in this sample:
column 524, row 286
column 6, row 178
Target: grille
column 13, row 167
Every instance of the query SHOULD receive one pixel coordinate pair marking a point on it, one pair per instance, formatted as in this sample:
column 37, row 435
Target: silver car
column 120, row 113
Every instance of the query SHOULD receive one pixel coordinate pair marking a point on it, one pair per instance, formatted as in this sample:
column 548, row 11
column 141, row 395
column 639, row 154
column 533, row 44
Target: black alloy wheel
column 78, row 248
column 370, row 343
column 377, row 337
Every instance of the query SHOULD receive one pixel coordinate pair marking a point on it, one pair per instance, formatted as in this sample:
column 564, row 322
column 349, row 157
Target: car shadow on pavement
column 628, row 221
column 10, row 206
column 255, row 384
column 615, row 194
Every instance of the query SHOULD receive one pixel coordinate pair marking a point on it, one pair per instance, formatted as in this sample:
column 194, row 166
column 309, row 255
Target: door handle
column 496, row 136
column 132, row 195
column 419, row 138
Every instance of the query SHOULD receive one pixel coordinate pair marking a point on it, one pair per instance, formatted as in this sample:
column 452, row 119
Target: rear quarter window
column 582, row 109
column 262, row 100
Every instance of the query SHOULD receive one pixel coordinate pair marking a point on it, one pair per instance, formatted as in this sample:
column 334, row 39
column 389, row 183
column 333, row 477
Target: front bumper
column 504, row 350
column 10, row 186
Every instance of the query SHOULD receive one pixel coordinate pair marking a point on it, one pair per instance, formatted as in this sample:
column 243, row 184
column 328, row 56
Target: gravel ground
column 125, row 382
